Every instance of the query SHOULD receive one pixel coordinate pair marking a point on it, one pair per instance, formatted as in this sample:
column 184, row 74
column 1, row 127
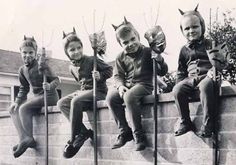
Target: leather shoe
column 123, row 139
column 22, row 147
column 184, row 127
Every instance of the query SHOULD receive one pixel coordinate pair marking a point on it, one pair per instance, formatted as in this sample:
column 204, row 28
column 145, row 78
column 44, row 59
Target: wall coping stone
column 226, row 91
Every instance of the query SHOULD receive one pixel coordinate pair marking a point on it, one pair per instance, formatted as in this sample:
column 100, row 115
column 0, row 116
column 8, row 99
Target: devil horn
column 64, row 34
column 74, row 30
column 196, row 7
column 181, row 12
column 125, row 20
column 115, row 27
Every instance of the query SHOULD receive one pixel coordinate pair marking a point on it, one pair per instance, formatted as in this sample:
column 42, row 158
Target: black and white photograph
column 118, row 82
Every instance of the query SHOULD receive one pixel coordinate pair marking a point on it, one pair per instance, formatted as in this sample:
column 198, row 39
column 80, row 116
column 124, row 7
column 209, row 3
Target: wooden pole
column 155, row 116
column 45, row 111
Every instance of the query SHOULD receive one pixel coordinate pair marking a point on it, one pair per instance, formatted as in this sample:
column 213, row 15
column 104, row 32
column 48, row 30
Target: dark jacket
column 193, row 60
column 82, row 72
column 30, row 76
column 131, row 69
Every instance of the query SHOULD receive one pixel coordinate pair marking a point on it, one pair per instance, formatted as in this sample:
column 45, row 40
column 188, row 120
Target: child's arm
column 162, row 67
column 104, row 70
column 182, row 72
column 24, row 88
column 119, row 74
column 52, row 79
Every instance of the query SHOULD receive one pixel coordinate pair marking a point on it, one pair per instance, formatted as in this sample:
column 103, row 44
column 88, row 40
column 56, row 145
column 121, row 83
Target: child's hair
column 196, row 13
column 30, row 42
column 123, row 29
column 69, row 37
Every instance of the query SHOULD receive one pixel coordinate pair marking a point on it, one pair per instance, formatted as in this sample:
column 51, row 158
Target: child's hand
column 96, row 75
column 14, row 108
column 157, row 56
column 46, row 86
column 210, row 74
column 122, row 89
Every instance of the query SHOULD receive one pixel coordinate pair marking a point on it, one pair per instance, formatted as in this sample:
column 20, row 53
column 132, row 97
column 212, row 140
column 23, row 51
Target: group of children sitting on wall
column 133, row 74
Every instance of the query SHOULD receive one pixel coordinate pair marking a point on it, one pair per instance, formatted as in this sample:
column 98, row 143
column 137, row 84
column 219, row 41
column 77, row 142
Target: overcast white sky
column 37, row 17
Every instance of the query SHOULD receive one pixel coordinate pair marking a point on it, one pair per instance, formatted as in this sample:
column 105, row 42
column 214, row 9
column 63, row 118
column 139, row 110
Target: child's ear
column 115, row 27
column 64, row 35
column 181, row 12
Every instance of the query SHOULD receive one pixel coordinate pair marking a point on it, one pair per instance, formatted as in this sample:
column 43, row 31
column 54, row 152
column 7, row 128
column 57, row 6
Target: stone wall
column 187, row 149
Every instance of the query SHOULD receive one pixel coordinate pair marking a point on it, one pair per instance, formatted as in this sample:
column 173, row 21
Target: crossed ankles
column 26, row 143
column 72, row 148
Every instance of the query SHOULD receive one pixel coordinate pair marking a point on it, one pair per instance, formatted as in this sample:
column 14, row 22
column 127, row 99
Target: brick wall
column 187, row 149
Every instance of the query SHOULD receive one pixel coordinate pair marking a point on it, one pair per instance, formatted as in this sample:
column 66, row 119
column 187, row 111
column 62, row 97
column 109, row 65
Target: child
column 193, row 67
column 22, row 110
column 133, row 75
column 73, row 105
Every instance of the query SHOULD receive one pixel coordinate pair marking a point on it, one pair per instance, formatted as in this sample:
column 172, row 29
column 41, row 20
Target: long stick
column 45, row 113
column 95, row 103
column 155, row 110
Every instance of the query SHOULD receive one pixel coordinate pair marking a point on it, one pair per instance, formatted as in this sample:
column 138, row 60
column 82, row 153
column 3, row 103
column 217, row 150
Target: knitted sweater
column 82, row 72
column 31, row 77
column 193, row 60
column 137, row 67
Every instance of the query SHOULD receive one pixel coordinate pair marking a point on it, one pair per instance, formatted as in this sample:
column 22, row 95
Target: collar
column 137, row 52
column 78, row 62
column 195, row 43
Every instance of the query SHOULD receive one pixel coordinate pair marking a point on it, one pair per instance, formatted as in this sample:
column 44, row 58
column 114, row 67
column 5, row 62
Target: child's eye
column 72, row 49
column 187, row 28
column 133, row 39
column 195, row 27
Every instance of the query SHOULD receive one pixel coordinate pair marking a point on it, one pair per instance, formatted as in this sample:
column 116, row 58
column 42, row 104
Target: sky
column 47, row 19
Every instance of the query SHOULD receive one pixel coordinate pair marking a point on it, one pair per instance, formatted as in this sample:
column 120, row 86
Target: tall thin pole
column 155, row 110
column 215, row 138
column 95, row 94
column 45, row 111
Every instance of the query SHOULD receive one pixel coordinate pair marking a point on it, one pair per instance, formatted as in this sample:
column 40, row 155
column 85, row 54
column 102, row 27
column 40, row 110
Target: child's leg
column 18, row 125
column 27, row 110
column 78, row 104
column 114, row 103
column 206, row 87
column 182, row 91
column 132, row 100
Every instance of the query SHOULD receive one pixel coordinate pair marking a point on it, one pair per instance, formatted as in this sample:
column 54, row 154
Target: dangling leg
column 132, row 99
column 26, row 112
column 182, row 91
column 206, row 87
column 114, row 103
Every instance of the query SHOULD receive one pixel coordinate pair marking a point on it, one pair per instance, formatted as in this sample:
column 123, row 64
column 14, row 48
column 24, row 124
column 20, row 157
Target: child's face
column 75, row 50
column 130, row 42
column 28, row 54
column 192, row 29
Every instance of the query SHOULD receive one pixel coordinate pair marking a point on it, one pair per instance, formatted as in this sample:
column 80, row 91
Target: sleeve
column 119, row 73
column 52, row 77
column 24, row 88
column 162, row 67
column 104, row 69
column 182, row 72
